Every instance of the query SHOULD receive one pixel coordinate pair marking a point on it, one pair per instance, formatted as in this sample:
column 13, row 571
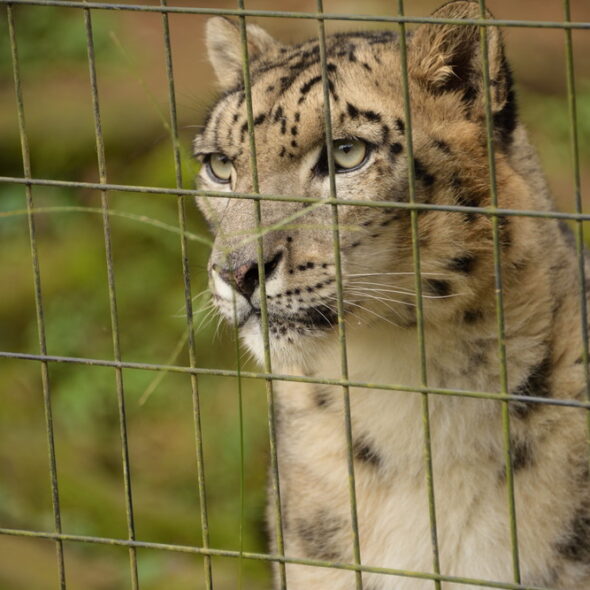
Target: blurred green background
column 133, row 93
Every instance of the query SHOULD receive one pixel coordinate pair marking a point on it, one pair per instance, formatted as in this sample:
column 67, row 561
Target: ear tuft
column 224, row 48
column 447, row 58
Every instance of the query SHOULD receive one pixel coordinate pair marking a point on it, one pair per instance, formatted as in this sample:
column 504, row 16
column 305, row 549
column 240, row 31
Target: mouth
column 319, row 317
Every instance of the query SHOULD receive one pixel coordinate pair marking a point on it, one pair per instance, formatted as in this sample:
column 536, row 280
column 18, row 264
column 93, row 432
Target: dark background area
column 147, row 263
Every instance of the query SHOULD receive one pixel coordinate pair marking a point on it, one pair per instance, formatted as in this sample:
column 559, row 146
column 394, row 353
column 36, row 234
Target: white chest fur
column 395, row 527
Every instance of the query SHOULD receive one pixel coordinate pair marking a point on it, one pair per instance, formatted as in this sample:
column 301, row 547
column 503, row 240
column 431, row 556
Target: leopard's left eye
column 219, row 167
column 349, row 154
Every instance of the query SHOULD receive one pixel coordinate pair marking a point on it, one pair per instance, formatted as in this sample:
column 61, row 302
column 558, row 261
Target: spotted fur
column 541, row 307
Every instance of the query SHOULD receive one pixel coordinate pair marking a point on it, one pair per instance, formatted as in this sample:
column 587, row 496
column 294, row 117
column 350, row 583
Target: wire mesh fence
column 195, row 369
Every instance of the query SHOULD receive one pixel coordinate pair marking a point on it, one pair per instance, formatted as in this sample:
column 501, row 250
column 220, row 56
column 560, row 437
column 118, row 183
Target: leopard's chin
column 292, row 341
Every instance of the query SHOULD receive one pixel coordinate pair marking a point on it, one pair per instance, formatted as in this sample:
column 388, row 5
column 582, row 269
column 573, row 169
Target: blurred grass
column 132, row 86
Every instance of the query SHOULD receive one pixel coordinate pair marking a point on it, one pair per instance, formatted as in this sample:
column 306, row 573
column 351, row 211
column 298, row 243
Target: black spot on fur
column 422, row 174
column 317, row 535
column 279, row 114
column 260, row 119
column 467, row 200
column 505, row 120
column 282, row 152
column 400, row 126
column 536, row 384
column 437, row 287
column 521, row 455
column 469, row 95
column 575, row 544
column 396, row 148
column 294, row 143
column 270, row 88
column 443, row 146
column 297, row 117
column 320, row 316
column 364, row 453
column 243, row 130
column 367, row 67
column 371, row 116
column 464, row 264
column 305, row 88
column 294, row 130
column 235, row 118
column 322, row 396
column 505, row 235
column 567, row 233
column 352, row 110
column 472, row 316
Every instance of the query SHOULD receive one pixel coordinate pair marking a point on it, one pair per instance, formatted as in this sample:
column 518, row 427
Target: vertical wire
column 499, row 296
column 274, row 469
column 427, row 450
column 45, row 381
column 202, row 489
column 573, row 115
column 100, row 152
column 242, row 455
column 340, row 301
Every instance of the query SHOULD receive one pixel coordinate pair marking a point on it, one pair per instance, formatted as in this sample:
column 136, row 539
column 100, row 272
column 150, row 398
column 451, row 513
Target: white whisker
column 390, row 299
column 370, row 311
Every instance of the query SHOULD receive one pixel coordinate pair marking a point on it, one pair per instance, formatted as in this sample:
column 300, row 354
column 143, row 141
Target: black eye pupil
column 346, row 148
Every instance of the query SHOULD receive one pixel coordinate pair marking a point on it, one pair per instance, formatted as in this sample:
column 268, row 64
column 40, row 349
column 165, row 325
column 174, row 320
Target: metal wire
column 188, row 301
column 427, row 446
column 504, row 397
column 265, row 557
column 270, row 394
column 295, row 379
column 579, row 227
column 153, row 190
column 339, row 301
column 529, row 24
column 102, row 172
column 26, row 159
column 499, row 295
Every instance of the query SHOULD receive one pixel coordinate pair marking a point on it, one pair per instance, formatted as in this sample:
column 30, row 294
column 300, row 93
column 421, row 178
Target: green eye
column 349, row 153
column 219, row 167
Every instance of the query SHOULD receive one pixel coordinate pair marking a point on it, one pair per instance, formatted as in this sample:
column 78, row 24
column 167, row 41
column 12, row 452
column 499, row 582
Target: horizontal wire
column 569, row 403
column 265, row 557
column 487, row 211
column 305, row 15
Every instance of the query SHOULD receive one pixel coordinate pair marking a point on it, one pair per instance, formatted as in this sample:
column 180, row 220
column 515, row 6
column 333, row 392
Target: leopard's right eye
column 219, row 167
column 349, row 154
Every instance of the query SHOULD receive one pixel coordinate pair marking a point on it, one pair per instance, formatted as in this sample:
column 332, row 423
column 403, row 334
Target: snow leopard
column 542, row 343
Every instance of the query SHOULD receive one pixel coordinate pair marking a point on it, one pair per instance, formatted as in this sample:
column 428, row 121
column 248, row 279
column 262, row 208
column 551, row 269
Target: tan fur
column 542, row 319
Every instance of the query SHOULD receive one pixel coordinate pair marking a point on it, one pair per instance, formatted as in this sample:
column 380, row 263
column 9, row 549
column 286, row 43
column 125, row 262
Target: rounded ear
column 224, row 47
column 447, row 58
